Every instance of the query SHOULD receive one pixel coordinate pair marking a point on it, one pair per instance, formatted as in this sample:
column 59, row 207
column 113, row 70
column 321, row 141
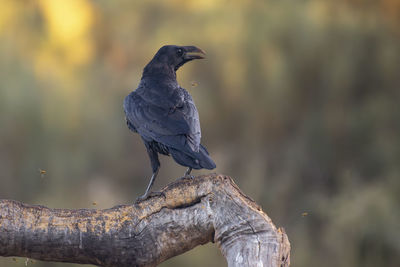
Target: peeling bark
column 190, row 212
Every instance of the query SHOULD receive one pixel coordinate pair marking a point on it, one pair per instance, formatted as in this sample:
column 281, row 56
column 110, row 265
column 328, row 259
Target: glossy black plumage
column 164, row 114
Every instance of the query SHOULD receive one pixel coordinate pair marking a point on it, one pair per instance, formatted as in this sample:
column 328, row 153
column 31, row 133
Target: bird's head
column 173, row 56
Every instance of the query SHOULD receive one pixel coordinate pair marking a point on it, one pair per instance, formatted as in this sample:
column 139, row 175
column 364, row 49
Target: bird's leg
column 187, row 173
column 152, row 179
column 155, row 165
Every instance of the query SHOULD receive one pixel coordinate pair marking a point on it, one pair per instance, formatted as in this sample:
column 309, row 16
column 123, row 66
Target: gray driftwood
column 190, row 212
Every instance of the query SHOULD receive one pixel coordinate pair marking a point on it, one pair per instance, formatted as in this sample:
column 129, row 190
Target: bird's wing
column 178, row 127
column 191, row 115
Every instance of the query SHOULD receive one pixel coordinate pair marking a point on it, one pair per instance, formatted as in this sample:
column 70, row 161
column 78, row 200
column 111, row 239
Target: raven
column 164, row 113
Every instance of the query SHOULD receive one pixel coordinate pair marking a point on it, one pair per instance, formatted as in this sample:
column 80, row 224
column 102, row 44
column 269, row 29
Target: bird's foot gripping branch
column 191, row 212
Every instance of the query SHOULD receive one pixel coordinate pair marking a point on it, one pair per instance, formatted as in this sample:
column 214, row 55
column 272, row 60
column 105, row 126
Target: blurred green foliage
column 299, row 103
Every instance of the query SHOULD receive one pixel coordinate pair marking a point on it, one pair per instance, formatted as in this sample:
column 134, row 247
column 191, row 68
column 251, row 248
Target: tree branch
column 190, row 212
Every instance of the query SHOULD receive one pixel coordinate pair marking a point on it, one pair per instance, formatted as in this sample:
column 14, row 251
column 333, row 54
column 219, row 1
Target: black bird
column 164, row 114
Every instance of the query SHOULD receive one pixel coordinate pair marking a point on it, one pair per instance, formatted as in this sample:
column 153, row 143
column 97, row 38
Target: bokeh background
column 298, row 100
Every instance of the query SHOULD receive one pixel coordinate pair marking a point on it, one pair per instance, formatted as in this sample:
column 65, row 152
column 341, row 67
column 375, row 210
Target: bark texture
column 190, row 212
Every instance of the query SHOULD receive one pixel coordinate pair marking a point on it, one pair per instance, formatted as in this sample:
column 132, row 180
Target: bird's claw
column 150, row 195
column 141, row 198
column 157, row 194
column 190, row 177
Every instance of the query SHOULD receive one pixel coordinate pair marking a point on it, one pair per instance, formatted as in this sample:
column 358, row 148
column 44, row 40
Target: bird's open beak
column 192, row 52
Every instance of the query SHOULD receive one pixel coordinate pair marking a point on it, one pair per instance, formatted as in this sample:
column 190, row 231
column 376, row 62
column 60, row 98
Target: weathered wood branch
column 190, row 212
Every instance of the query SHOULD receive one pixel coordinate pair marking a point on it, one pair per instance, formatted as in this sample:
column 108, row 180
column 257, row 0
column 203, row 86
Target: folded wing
column 178, row 127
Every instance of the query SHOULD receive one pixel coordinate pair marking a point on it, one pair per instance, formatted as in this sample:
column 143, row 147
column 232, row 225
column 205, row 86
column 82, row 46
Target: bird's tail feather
column 195, row 160
column 205, row 160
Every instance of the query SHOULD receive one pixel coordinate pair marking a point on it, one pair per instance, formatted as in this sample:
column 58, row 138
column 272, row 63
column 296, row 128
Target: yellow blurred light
column 66, row 46
column 67, row 20
column 195, row 5
column 68, row 24
column 7, row 11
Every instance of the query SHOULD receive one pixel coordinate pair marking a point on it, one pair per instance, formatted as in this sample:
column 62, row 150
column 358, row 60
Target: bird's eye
column 179, row 52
